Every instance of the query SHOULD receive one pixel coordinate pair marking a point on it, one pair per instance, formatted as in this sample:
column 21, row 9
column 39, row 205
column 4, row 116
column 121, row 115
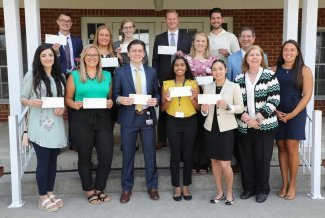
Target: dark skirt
column 219, row 145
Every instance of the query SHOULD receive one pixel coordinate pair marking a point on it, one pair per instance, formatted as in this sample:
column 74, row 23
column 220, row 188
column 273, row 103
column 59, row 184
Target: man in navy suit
column 162, row 63
column 73, row 48
column 234, row 67
column 137, row 119
column 67, row 55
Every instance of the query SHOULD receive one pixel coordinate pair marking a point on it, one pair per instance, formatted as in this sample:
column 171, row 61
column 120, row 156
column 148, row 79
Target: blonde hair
column 207, row 53
column 124, row 21
column 110, row 45
column 245, row 66
column 83, row 68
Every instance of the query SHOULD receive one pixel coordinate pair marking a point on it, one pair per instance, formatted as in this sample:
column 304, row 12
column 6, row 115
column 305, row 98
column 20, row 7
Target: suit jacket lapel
column 146, row 72
column 128, row 74
column 165, row 39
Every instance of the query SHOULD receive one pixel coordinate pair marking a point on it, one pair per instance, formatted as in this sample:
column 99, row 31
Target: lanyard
column 179, row 98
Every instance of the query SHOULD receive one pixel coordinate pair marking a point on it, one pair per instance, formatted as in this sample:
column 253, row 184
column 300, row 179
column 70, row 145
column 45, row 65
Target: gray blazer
column 231, row 94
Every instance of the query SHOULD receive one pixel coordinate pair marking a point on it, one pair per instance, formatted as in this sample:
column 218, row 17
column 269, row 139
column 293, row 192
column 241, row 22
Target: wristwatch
column 228, row 108
column 258, row 120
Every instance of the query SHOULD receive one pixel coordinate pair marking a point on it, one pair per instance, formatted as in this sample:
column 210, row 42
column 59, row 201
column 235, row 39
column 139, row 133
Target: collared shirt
column 243, row 53
column 71, row 49
column 175, row 37
column 224, row 40
column 250, row 91
column 143, row 79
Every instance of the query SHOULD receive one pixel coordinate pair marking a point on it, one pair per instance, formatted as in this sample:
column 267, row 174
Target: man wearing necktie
column 67, row 53
column 136, row 78
column 162, row 63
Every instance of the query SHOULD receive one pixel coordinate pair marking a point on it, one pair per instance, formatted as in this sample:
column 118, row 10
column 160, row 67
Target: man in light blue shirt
column 234, row 65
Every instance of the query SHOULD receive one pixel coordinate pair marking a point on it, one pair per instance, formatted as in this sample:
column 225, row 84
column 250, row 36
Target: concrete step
column 68, row 160
column 69, row 182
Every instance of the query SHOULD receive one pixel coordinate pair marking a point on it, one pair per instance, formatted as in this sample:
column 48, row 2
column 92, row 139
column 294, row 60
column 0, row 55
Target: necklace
column 89, row 78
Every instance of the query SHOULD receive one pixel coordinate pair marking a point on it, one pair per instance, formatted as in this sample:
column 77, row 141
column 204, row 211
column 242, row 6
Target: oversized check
column 140, row 99
column 110, row 62
column 167, row 50
column 203, row 80
column 94, row 103
column 53, row 102
column 180, row 91
column 53, row 39
column 208, row 98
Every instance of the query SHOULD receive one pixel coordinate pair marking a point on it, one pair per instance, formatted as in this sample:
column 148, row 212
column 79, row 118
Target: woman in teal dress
column 91, row 127
column 46, row 126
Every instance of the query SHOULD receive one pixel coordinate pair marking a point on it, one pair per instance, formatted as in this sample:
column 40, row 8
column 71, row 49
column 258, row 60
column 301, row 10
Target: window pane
column 4, row 75
column 2, row 41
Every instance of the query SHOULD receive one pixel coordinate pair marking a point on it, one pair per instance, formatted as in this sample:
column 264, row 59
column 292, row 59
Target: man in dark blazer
column 136, row 121
column 162, row 63
column 64, row 21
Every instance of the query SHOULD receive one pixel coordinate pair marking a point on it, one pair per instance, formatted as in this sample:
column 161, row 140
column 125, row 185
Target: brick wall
column 4, row 112
column 267, row 23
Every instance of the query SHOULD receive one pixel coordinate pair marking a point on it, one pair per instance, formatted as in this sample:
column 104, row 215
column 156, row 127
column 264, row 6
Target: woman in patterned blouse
column 258, row 123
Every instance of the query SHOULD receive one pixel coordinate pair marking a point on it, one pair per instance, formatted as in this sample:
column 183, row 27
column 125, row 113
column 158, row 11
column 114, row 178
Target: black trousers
column 93, row 128
column 255, row 149
column 181, row 134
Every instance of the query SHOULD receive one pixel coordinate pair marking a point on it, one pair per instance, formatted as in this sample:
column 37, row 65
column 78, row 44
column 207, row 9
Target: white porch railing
column 19, row 157
column 310, row 152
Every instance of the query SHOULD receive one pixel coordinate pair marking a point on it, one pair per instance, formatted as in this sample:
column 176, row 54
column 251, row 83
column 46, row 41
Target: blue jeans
column 46, row 168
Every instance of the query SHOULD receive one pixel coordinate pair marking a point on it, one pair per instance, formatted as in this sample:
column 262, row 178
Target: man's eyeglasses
column 65, row 21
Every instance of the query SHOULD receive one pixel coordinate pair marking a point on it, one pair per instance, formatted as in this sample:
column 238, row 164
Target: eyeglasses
column 92, row 56
column 65, row 21
column 128, row 27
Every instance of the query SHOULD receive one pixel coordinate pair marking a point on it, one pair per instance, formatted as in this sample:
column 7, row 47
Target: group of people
column 257, row 105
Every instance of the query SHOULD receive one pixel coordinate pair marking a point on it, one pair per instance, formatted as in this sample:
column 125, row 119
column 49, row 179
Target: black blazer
column 162, row 63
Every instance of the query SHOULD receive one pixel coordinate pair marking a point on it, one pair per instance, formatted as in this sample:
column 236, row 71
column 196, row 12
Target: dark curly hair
column 39, row 74
column 188, row 72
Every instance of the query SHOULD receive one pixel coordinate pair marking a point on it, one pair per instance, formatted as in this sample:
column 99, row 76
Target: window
column 320, row 66
column 4, row 91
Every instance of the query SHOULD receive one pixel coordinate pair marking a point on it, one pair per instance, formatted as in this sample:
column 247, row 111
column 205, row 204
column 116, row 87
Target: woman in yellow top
column 181, row 124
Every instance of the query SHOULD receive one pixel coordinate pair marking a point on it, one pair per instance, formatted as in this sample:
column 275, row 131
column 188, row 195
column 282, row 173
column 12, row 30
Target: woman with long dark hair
column 45, row 126
column 181, row 124
column 296, row 89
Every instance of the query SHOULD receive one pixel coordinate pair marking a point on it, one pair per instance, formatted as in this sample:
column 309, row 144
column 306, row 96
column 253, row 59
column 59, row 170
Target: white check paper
column 53, row 102
column 53, row 39
column 124, row 48
column 180, row 91
column 167, row 50
column 203, row 80
column 109, row 62
column 208, row 98
column 216, row 45
column 140, row 99
column 94, row 103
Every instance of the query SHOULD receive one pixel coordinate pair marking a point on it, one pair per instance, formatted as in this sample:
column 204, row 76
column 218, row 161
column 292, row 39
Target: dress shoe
column 125, row 197
column 260, row 198
column 217, row 200
column 177, row 198
column 160, row 145
column 246, row 194
column 153, row 194
column 187, row 197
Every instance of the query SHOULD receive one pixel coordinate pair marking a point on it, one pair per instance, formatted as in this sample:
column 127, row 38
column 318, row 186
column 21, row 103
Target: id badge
column 149, row 122
column 179, row 114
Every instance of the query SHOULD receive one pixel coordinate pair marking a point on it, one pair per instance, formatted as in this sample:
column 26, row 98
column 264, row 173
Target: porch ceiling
column 168, row 4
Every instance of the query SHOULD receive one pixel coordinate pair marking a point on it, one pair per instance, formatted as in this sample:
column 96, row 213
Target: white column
column 33, row 29
column 308, row 39
column 14, row 53
column 290, row 19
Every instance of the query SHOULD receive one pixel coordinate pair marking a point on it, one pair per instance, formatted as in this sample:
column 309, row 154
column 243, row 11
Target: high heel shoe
column 216, row 200
column 187, row 197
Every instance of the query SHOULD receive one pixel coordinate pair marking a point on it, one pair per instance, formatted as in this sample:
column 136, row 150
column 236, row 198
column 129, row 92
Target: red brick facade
column 267, row 24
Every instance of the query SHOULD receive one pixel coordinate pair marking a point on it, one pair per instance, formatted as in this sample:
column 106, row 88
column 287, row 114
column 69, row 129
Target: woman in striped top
column 257, row 125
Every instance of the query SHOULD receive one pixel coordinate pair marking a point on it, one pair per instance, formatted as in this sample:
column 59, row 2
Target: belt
column 144, row 111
